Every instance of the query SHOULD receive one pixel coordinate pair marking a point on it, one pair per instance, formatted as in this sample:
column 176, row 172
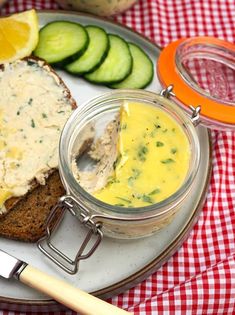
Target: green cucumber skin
column 71, row 58
column 99, row 62
column 124, row 83
column 105, row 82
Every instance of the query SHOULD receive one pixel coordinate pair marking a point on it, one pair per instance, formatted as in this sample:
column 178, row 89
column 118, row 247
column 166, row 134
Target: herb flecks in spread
column 33, row 109
column 152, row 161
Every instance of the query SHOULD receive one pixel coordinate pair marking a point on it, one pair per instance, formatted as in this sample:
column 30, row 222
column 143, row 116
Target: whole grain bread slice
column 25, row 216
column 27, row 219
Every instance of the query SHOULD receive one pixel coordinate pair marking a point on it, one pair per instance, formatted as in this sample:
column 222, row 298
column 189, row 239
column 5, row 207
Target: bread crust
column 27, row 219
column 25, row 216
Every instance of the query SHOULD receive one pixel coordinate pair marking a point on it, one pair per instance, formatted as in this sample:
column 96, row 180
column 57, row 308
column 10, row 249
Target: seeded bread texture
column 25, row 217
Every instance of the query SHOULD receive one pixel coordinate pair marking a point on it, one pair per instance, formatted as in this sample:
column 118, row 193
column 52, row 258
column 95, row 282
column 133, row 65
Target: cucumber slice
column 142, row 71
column 61, row 42
column 95, row 53
column 116, row 66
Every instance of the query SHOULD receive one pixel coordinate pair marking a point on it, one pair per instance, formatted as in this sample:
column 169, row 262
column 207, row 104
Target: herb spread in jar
column 151, row 158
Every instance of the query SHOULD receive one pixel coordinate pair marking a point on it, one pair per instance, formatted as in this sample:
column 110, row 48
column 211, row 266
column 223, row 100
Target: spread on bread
column 150, row 162
column 34, row 106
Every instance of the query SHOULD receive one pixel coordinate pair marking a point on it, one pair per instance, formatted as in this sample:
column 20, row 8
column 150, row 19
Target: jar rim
column 74, row 188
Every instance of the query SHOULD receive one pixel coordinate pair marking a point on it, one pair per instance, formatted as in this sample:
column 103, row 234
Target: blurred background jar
column 97, row 7
column 2, row 2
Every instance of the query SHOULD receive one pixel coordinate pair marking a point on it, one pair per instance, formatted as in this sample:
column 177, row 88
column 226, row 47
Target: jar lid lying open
column 202, row 70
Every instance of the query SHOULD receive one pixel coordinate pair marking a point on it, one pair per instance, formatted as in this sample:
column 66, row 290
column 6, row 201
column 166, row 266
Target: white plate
column 116, row 265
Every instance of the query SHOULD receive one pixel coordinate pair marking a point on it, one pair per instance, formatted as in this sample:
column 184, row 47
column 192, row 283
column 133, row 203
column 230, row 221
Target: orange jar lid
column 202, row 71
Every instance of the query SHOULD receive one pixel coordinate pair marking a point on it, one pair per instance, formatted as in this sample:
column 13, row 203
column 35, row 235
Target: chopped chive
column 167, row 161
column 155, row 191
column 157, row 126
column 30, row 63
column 136, row 172
column 137, row 196
column 173, row 150
column 146, row 198
column 142, row 151
column 124, row 199
column 130, row 181
column 124, row 126
column 30, row 101
column 44, row 115
column 159, row 144
column 111, row 180
column 135, row 175
column 32, row 123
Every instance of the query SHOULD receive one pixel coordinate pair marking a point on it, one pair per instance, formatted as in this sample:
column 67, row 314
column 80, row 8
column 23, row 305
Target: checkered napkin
column 200, row 277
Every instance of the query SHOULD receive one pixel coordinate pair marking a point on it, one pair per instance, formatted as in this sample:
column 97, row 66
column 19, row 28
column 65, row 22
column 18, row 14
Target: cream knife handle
column 66, row 294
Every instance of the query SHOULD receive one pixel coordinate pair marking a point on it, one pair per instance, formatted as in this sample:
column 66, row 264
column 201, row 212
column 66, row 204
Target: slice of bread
column 27, row 219
column 24, row 216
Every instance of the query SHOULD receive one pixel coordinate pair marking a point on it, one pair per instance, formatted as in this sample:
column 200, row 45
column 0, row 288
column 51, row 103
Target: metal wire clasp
column 195, row 117
column 71, row 266
column 168, row 91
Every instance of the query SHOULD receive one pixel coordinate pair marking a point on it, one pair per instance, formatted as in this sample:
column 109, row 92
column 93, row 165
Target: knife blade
column 10, row 265
column 64, row 293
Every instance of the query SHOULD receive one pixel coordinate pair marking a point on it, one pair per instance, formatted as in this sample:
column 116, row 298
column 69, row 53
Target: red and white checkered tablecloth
column 200, row 277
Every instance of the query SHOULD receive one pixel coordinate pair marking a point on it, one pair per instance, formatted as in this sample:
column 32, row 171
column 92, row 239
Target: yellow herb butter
column 153, row 158
column 34, row 106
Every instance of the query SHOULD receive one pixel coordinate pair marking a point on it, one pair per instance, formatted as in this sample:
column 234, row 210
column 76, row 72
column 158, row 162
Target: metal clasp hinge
column 168, row 91
column 195, row 117
column 71, row 266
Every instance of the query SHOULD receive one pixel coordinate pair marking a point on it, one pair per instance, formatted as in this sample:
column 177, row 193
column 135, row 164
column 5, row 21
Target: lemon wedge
column 18, row 35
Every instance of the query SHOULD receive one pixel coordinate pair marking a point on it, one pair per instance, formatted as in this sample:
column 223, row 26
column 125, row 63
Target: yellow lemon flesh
column 18, row 35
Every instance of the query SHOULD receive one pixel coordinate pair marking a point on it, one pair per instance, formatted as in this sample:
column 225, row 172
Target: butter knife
column 64, row 293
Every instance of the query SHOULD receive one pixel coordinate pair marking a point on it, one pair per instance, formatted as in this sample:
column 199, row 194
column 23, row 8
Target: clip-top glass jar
column 105, row 219
column 117, row 221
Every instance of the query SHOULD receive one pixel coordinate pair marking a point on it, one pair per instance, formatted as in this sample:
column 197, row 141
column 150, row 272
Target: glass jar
column 116, row 221
column 177, row 65
column 97, row 7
